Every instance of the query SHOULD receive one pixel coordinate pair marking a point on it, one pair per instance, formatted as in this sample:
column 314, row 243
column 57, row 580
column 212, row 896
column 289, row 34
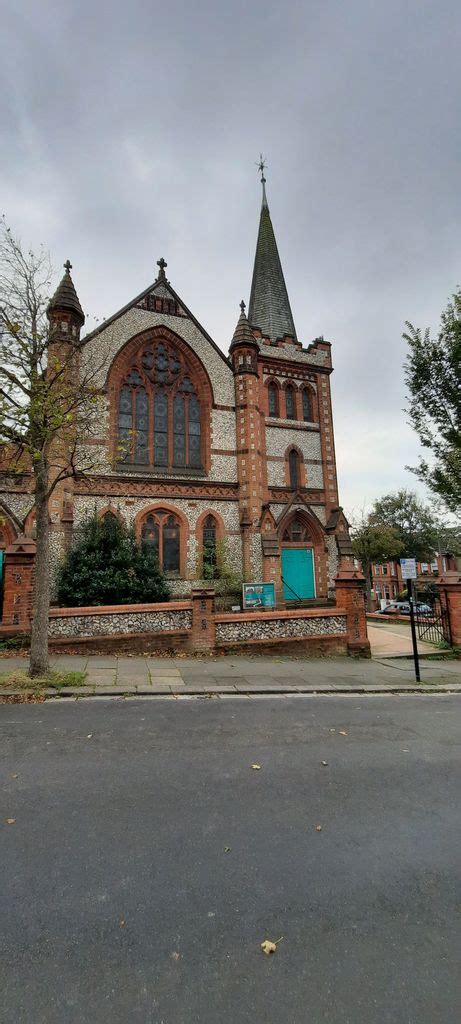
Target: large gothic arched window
column 159, row 415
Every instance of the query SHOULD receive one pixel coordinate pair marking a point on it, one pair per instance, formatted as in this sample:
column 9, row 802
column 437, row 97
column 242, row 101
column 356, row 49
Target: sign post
column 408, row 566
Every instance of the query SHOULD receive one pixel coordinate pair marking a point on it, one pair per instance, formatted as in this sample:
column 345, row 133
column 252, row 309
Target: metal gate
column 432, row 618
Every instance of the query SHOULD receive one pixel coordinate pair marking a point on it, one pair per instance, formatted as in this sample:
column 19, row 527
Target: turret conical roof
column 65, row 296
column 243, row 335
column 269, row 308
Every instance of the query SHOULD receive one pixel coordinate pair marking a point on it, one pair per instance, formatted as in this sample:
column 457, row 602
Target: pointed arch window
column 273, row 394
column 293, row 469
column 290, row 406
column 159, row 412
column 308, row 416
column 209, row 547
column 161, row 535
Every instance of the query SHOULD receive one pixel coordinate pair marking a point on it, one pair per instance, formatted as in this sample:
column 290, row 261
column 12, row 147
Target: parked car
column 403, row 608
column 396, row 608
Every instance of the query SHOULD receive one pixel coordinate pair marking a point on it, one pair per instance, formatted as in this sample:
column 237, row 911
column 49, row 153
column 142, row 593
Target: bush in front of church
column 107, row 565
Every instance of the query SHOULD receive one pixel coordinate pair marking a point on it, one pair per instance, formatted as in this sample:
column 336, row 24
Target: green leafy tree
column 107, row 565
column 433, row 379
column 374, row 542
column 415, row 524
column 47, row 406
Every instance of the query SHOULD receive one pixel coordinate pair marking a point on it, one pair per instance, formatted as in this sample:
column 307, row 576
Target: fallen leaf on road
column 332, row 730
column 122, row 922
column 175, row 956
column 14, row 776
column 325, row 763
column 90, row 736
column 257, row 767
column 318, row 828
column 10, row 821
column 227, row 849
column 269, row 947
column 342, row 732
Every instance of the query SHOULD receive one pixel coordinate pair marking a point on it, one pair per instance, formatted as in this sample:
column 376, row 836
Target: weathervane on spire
column 261, row 165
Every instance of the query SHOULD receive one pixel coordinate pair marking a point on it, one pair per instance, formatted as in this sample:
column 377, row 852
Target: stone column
column 203, row 622
column 18, row 584
column 350, row 594
column 449, row 588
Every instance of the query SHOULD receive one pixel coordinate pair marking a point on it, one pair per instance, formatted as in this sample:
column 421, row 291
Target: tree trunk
column 366, row 568
column 39, row 657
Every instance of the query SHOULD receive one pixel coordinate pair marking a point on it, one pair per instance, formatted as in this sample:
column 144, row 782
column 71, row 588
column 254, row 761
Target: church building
column 212, row 458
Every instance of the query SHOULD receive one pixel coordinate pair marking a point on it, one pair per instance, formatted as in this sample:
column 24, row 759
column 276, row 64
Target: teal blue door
column 298, row 573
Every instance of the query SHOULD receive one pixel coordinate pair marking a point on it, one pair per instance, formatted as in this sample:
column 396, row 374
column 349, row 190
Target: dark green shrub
column 106, row 565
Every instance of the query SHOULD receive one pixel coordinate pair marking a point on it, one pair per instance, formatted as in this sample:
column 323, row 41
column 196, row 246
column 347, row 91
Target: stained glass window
column 273, row 400
column 293, row 465
column 290, row 403
column 159, row 413
column 307, row 406
column 150, row 535
column 209, row 547
column 171, row 545
column 160, row 429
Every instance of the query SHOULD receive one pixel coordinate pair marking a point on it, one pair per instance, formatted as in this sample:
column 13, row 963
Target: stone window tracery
column 296, row 532
column 159, row 412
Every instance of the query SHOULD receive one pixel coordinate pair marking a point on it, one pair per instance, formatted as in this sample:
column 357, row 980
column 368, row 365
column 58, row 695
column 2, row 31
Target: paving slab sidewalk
column 235, row 674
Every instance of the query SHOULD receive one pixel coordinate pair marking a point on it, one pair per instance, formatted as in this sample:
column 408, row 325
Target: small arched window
column 293, row 469
column 209, row 547
column 307, row 406
column 160, row 534
column 273, row 393
column 290, row 407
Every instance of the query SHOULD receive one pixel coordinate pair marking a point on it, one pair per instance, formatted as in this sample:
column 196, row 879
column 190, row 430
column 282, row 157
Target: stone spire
column 269, row 308
column 65, row 297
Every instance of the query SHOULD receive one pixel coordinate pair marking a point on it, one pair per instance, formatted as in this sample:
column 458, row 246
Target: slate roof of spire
column 65, row 296
column 269, row 307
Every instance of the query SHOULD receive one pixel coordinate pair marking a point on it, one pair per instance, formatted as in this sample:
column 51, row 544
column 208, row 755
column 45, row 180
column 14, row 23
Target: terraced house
column 202, row 451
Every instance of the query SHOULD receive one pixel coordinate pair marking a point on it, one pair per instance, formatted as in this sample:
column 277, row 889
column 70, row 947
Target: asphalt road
column 122, row 904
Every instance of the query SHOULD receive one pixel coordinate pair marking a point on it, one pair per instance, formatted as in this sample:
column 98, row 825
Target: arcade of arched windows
column 291, row 402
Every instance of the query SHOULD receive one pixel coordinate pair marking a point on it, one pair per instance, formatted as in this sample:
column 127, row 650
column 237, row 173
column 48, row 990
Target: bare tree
column 48, row 399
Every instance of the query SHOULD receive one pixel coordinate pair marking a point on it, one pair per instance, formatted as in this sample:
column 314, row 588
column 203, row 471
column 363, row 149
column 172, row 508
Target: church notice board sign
column 408, row 567
column 259, row 595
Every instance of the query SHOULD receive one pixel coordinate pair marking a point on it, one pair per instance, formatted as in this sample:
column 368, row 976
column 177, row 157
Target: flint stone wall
column 114, row 623
column 240, row 630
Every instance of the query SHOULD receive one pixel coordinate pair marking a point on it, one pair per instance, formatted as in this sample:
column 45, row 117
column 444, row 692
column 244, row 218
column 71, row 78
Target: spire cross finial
column 261, row 167
column 242, row 306
column 162, row 264
column 68, row 266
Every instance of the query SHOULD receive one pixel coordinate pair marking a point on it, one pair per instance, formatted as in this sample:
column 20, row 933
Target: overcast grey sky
column 131, row 131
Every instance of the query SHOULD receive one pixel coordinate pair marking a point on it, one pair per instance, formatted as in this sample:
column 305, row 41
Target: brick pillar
column 449, row 588
column 350, row 594
column 18, row 583
column 203, row 623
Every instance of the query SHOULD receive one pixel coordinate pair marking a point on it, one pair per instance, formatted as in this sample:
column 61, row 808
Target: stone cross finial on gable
column 162, row 264
column 68, row 266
